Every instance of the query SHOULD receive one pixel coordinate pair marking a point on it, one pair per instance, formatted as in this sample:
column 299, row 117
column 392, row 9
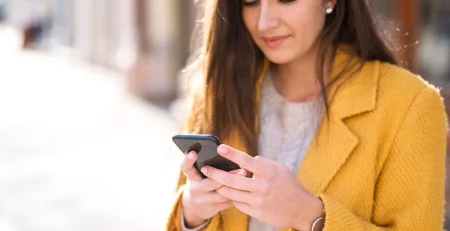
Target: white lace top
column 287, row 129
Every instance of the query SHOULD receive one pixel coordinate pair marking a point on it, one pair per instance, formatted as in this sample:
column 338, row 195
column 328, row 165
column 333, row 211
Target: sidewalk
column 77, row 152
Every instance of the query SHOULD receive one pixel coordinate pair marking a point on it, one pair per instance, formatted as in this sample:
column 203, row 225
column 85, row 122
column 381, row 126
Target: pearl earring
column 329, row 10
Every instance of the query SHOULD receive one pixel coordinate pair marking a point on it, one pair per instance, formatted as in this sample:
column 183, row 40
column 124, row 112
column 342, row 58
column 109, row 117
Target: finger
column 214, row 197
column 222, row 206
column 236, row 195
column 240, row 172
column 242, row 159
column 209, row 185
column 231, row 180
column 187, row 167
column 245, row 208
column 245, row 173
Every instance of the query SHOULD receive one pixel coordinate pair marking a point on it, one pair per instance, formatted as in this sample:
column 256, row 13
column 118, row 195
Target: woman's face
column 285, row 30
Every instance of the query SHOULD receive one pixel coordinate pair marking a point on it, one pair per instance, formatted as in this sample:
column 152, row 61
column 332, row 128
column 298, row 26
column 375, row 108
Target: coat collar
column 363, row 83
column 356, row 91
column 351, row 94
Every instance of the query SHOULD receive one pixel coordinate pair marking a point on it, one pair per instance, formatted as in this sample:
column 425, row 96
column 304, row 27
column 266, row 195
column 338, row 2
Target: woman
column 310, row 102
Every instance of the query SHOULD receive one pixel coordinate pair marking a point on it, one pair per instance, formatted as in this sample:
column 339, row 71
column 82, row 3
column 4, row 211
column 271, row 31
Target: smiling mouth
column 274, row 42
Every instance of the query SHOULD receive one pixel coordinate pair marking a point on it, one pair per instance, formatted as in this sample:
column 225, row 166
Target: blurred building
column 148, row 39
column 139, row 37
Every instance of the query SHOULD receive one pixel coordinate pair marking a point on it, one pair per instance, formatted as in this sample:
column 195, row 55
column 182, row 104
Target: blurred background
column 90, row 97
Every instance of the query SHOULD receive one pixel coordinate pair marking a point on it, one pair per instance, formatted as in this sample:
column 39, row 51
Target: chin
column 279, row 57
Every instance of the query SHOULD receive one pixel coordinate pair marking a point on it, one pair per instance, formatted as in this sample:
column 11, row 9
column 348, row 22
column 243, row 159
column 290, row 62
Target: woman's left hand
column 273, row 195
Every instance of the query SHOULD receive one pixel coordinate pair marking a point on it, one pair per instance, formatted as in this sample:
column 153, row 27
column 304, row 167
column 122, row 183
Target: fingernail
column 204, row 170
column 190, row 155
column 223, row 149
column 241, row 172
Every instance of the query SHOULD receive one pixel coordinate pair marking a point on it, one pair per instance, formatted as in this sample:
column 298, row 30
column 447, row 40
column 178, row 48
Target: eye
column 250, row 3
column 287, row 1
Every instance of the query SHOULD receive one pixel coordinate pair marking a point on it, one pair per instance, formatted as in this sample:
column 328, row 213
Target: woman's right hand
column 200, row 201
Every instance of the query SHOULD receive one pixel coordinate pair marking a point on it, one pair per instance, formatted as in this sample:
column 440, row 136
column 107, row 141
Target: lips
column 274, row 42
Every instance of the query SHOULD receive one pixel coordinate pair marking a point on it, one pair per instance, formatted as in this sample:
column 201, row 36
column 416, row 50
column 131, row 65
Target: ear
column 330, row 4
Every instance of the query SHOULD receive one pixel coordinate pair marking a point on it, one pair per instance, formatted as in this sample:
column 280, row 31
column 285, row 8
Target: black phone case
column 206, row 147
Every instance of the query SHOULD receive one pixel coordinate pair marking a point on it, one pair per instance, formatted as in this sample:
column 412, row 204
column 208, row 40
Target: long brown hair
column 228, row 68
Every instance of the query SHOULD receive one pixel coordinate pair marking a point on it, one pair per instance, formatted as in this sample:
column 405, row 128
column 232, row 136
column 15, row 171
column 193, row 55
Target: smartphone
column 206, row 147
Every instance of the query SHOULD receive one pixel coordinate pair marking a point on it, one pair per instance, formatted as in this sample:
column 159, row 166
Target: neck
column 297, row 81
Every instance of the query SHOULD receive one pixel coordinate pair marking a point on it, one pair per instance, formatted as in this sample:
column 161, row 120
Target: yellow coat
column 378, row 163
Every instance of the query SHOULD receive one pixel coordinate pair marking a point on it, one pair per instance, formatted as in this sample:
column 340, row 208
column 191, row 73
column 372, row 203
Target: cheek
column 304, row 22
column 306, row 26
column 250, row 21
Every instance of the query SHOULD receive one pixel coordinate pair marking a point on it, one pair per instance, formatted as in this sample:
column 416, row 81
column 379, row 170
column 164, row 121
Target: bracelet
column 318, row 224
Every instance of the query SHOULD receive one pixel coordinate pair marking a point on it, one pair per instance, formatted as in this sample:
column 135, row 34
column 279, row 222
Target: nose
column 268, row 16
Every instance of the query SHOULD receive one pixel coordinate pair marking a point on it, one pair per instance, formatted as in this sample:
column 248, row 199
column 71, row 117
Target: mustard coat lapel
column 334, row 141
